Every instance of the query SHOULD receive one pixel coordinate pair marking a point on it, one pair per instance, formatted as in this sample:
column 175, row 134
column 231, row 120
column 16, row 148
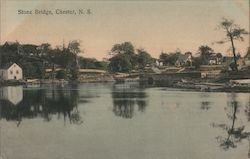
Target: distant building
column 184, row 60
column 215, row 59
column 211, row 71
column 243, row 63
column 11, row 71
column 50, row 70
column 159, row 63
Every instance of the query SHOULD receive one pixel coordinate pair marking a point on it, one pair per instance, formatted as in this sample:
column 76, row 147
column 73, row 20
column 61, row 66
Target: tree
column 120, row 63
column 124, row 58
column 233, row 32
column 219, row 55
column 143, row 58
column 205, row 52
column 74, row 48
column 44, row 48
column 28, row 50
column 61, row 74
column 197, row 61
column 164, row 57
column 92, row 63
column 123, row 48
column 236, row 133
column 170, row 58
column 9, row 53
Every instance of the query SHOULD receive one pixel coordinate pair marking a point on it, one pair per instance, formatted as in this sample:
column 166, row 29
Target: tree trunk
column 231, row 130
column 235, row 58
column 53, row 72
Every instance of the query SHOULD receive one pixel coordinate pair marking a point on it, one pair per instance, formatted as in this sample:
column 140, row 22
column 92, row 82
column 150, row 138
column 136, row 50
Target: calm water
column 95, row 121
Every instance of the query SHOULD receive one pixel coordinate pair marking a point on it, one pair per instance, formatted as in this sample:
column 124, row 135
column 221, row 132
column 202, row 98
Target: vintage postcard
column 124, row 79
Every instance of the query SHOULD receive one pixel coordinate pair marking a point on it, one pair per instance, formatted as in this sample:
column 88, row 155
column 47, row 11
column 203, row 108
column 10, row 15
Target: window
column 11, row 72
column 17, row 72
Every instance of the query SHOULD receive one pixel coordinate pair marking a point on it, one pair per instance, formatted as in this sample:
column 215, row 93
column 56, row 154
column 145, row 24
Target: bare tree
column 233, row 32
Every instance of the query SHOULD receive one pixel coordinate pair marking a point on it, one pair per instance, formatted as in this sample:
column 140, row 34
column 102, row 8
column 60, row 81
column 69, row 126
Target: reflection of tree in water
column 125, row 101
column 44, row 103
column 205, row 105
column 247, row 110
column 63, row 102
column 234, row 134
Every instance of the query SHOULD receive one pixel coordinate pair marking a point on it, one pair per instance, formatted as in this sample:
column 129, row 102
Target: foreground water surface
column 107, row 121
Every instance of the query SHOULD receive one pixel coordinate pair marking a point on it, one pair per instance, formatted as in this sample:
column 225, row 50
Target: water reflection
column 205, row 105
column 40, row 103
column 247, row 110
column 126, row 100
column 12, row 94
column 235, row 134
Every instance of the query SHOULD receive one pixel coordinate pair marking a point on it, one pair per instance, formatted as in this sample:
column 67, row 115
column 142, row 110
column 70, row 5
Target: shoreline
column 187, row 85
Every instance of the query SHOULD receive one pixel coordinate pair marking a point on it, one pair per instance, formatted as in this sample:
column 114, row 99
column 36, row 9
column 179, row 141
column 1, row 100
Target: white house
column 11, row 72
column 184, row 60
column 215, row 59
column 158, row 63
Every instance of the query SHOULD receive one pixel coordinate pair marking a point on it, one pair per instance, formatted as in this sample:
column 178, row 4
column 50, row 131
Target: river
column 107, row 121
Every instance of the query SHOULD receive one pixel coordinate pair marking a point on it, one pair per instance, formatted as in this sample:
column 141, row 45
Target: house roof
column 183, row 57
column 8, row 65
column 9, row 43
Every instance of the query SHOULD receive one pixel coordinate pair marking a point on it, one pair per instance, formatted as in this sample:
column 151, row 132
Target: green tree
column 205, row 52
column 124, row 58
column 120, row 63
column 61, row 74
column 123, row 48
column 28, row 50
column 92, row 63
column 25, row 56
column 165, row 58
column 9, row 53
column 103, row 65
column 197, row 61
column 44, row 48
column 74, row 48
column 32, row 69
column 233, row 32
column 170, row 58
column 143, row 58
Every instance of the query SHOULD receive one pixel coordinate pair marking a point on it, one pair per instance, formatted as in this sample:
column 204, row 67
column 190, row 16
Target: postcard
column 124, row 79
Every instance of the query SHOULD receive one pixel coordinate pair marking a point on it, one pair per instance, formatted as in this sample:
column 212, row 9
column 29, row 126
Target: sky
column 156, row 26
